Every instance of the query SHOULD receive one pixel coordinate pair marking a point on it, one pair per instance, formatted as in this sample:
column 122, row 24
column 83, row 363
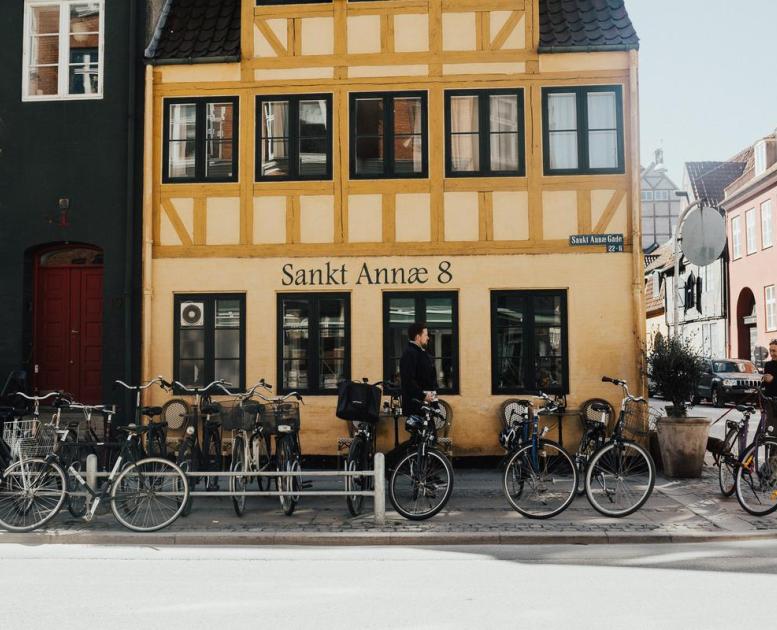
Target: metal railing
column 378, row 492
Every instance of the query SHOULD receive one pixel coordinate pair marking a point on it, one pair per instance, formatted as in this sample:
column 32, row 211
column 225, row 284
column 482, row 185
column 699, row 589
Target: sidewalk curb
column 376, row 538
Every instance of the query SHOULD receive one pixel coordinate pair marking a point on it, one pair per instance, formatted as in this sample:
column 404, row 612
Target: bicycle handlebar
column 202, row 390
column 280, row 399
column 41, row 398
column 158, row 380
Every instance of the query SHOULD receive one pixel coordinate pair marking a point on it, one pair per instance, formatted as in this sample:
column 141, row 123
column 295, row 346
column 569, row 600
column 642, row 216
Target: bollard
column 380, row 489
column 91, row 471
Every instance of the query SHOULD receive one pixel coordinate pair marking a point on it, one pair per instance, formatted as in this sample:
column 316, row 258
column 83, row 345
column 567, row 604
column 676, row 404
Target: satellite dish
column 704, row 236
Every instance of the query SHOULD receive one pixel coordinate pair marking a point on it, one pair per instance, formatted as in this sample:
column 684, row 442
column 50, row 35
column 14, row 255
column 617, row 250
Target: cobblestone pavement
column 677, row 510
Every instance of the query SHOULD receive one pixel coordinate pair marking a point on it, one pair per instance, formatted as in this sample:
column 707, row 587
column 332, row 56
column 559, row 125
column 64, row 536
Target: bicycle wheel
column 288, row 461
column 619, row 478
column 149, row 495
column 212, row 452
column 238, row 484
column 540, row 483
column 727, row 464
column 186, row 462
column 32, row 491
column 357, row 460
column 261, row 450
column 756, row 478
column 418, row 492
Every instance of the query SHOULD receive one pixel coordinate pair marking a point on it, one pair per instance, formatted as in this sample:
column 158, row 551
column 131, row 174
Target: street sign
column 703, row 236
column 612, row 242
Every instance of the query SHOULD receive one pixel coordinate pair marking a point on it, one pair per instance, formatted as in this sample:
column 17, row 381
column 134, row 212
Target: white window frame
column 63, row 63
column 664, row 196
column 647, row 195
column 750, row 232
column 770, row 302
column 759, row 152
column 767, row 236
column 736, row 237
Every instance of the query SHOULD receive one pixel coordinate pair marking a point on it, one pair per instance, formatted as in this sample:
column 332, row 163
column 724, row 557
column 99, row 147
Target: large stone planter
column 683, row 442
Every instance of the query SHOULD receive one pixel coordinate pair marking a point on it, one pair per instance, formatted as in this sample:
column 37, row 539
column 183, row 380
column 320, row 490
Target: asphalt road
column 706, row 586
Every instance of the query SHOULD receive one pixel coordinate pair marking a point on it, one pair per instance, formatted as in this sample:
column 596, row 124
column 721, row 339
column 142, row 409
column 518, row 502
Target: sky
column 708, row 86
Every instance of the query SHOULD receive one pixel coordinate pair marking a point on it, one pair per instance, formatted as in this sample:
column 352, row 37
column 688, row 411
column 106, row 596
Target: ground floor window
column 209, row 339
column 314, row 346
column 440, row 312
column 529, row 342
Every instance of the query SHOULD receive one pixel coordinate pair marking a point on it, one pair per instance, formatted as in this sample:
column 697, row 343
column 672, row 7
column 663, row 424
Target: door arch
column 68, row 320
column 747, row 323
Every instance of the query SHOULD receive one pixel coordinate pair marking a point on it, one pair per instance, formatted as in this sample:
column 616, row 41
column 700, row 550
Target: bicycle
column 619, row 473
column 540, row 478
column 145, row 494
column 755, row 480
column 250, row 444
column 726, row 453
column 191, row 457
column 281, row 418
column 156, row 431
column 424, row 474
column 359, row 403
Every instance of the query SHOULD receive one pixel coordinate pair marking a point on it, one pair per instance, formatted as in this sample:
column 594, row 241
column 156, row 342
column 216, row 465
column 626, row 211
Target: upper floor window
column 760, row 157
column 766, row 224
column 583, row 130
column 63, row 50
column 662, row 195
column 294, row 137
column 751, row 228
column 484, row 132
column 647, row 195
column 736, row 237
column 388, row 135
column 200, row 139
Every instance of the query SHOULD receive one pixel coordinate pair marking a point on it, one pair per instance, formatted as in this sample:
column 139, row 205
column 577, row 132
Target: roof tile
column 568, row 25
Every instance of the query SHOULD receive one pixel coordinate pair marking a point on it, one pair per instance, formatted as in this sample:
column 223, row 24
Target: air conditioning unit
column 192, row 314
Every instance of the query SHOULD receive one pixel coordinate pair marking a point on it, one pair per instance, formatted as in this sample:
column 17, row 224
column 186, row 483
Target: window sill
column 68, row 97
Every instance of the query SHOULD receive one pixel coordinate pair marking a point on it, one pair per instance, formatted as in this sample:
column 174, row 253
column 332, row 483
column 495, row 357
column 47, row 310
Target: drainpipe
column 129, row 228
column 148, row 236
column 638, row 261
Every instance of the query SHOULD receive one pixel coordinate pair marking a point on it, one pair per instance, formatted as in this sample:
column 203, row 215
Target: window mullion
column 210, row 340
column 529, row 361
column 484, row 142
column 64, row 49
column 294, row 137
column 199, row 140
column 582, row 129
column 313, row 344
column 388, row 135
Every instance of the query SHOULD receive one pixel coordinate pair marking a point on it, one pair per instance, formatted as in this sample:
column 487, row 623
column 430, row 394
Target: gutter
column 751, row 190
column 584, row 49
column 182, row 61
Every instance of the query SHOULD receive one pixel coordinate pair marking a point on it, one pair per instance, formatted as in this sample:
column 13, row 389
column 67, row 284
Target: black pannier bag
column 358, row 401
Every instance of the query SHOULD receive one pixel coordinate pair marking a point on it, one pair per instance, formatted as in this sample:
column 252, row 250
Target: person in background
column 417, row 375
column 770, row 382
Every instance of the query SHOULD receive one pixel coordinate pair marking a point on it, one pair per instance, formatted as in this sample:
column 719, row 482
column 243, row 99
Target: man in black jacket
column 416, row 370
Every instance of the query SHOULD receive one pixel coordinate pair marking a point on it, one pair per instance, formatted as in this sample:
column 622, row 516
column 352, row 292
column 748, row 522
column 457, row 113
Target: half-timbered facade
column 320, row 174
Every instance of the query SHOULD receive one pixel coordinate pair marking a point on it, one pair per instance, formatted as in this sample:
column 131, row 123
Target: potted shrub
column 676, row 369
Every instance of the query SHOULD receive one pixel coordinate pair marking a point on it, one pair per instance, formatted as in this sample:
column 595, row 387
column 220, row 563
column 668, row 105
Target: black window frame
column 313, row 337
column 260, row 3
column 484, row 133
column 293, row 100
column 528, row 334
column 420, row 315
column 583, row 157
column 210, row 334
column 388, row 134
column 200, row 104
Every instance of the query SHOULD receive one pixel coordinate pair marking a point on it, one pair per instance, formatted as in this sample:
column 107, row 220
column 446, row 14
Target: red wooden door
column 68, row 335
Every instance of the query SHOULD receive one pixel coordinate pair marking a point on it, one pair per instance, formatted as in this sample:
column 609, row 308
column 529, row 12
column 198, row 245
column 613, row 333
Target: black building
column 70, row 163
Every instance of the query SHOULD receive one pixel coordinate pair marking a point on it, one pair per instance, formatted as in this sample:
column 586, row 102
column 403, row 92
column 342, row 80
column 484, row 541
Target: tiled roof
column 580, row 25
column 709, row 180
column 654, row 303
column 208, row 30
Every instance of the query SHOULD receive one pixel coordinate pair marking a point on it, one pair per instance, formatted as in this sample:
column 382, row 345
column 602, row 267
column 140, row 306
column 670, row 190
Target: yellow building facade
column 358, row 165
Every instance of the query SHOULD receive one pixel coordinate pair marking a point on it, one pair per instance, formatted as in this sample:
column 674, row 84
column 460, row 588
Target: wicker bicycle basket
column 29, row 438
column 636, row 418
column 280, row 414
column 236, row 417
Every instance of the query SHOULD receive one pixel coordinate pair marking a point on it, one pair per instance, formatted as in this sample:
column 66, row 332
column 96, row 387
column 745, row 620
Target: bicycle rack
column 378, row 473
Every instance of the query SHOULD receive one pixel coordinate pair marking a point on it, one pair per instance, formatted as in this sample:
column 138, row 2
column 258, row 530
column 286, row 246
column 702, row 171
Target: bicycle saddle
column 132, row 428
column 151, row 411
column 62, row 402
column 208, row 410
column 746, row 409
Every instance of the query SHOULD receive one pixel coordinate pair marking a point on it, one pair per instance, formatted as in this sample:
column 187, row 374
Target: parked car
column 728, row 380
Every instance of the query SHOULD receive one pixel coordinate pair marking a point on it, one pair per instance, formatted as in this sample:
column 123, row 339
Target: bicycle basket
column 237, row 418
column 29, row 438
column 513, row 409
column 588, row 414
column 636, row 418
column 275, row 415
column 174, row 412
